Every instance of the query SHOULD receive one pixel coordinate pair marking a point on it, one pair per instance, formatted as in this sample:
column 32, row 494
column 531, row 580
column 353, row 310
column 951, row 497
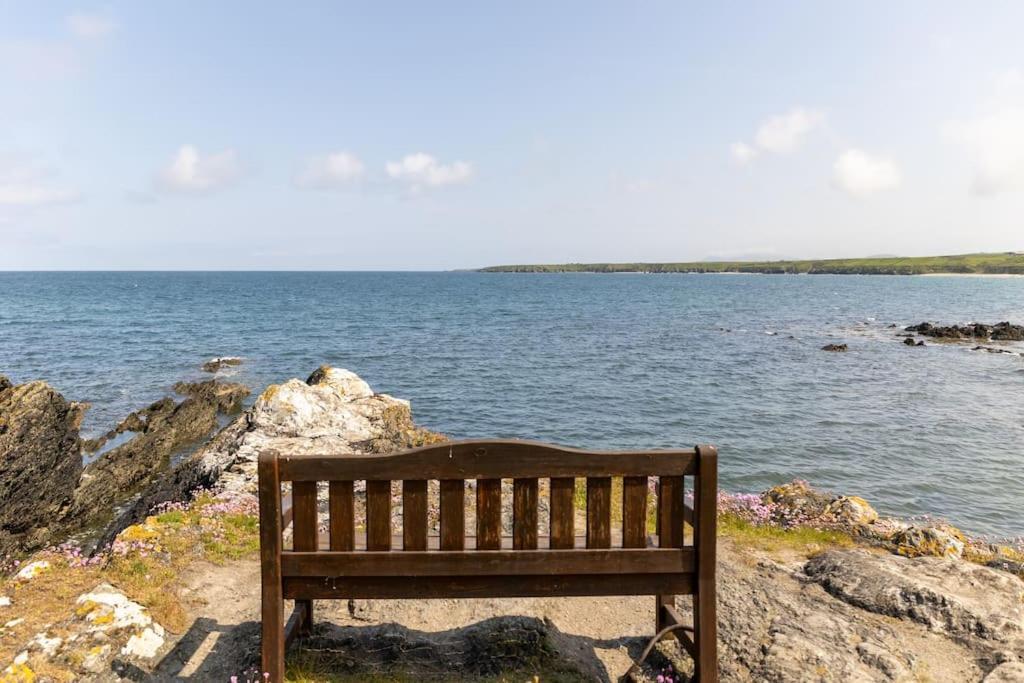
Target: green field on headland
column 1005, row 263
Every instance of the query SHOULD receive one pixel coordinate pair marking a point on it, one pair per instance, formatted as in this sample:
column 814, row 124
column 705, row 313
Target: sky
column 423, row 136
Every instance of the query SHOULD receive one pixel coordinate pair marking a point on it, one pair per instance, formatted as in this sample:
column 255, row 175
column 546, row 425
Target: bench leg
column 273, row 636
column 705, row 634
column 659, row 617
column 306, row 606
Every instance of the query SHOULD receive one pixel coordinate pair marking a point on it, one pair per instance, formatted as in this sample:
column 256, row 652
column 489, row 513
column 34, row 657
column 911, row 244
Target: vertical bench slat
column 634, row 512
column 563, row 513
column 599, row 512
column 453, row 514
column 488, row 514
column 414, row 514
column 705, row 508
column 670, row 512
column 272, row 600
column 378, row 515
column 304, row 519
column 524, row 514
column 341, row 508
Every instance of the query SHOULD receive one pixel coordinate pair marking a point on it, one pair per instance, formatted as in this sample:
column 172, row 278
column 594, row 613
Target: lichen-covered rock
column 949, row 596
column 226, row 396
column 32, row 570
column 345, row 383
column 936, row 541
column 797, row 500
column 850, row 511
column 40, row 463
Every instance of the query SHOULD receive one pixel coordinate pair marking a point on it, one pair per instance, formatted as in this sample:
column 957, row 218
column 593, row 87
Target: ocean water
column 586, row 360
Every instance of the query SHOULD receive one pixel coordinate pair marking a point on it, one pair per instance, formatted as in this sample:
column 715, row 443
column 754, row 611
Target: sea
column 609, row 361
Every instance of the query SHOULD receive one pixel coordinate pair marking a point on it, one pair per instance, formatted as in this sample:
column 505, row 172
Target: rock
column 215, row 364
column 937, row 541
column 5, row 383
column 1003, row 331
column 909, row 341
column 1008, row 672
column 850, row 511
column 45, row 644
column 40, row 463
column 32, row 570
column 226, row 396
column 797, row 501
column 993, row 349
column 5, row 601
column 834, row 347
column 1007, row 565
column 345, row 383
column 946, row 595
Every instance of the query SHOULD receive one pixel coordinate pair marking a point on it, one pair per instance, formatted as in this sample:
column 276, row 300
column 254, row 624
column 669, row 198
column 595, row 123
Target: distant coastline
column 1004, row 263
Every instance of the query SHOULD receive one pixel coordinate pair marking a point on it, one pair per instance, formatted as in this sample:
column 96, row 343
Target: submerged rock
column 834, row 347
column 40, row 463
column 215, row 364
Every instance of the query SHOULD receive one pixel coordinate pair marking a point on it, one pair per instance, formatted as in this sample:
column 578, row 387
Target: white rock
column 21, row 658
column 5, row 601
column 110, row 602
column 95, row 661
column 347, row 384
column 145, row 644
column 47, row 645
column 32, row 570
column 13, row 622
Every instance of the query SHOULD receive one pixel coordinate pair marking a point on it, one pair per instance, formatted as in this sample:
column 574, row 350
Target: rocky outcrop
column 40, row 462
column 960, row 599
column 1003, row 331
column 227, row 397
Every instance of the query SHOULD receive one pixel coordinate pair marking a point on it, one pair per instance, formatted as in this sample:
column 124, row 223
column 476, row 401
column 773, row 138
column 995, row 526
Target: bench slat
column 453, row 514
column 634, row 512
column 414, row 514
column 488, row 514
column 563, row 512
column 398, row 587
column 341, row 508
column 488, row 562
column 670, row 512
column 599, row 512
column 305, row 533
column 524, row 514
column 487, row 460
column 378, row 515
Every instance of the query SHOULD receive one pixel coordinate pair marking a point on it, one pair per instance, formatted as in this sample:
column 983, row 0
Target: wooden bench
column 349, row 564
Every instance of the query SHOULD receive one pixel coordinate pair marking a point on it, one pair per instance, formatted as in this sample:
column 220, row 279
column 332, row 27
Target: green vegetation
column 806, row 540
column 990, row 264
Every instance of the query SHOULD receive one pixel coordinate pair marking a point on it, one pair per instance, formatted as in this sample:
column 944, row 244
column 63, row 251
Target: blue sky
column 430, row 135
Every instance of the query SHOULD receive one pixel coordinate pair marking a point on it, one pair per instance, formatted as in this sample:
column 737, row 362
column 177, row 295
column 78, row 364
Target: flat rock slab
column 961, row 599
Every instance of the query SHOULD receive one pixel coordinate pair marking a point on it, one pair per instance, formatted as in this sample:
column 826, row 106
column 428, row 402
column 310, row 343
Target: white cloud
column 190, row 171
column 331, row 171
column 783, row 133
column 89, row 26
column 994, row 139
column 860, row 174
column 422, row 170
column 742, row 153
column 29, row 184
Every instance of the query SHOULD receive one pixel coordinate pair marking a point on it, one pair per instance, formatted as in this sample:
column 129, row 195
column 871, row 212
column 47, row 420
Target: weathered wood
column 304, row 536
column 272, row 597
column 414, row 514
column 634, row 512
column 524, row 514
column 599, row 512
column 670, row 617
column 453, row 514
column 294, row 626
column 563, row 512
column 566, row 585
column 487, row 460
column 488, row 514
column 341, row 508
column 489, row 562
column 705, row 507
column 378, row 515
column 670, row 512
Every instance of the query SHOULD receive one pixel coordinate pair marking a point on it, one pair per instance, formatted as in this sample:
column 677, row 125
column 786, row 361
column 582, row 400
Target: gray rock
column 40, row 463
column 226, row 396
column 834, row 347
column 964, row 600
column 1009, row 672
column 216, row 364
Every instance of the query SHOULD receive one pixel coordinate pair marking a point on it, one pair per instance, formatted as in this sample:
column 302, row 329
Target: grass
column 805, row 540
column 997, row 263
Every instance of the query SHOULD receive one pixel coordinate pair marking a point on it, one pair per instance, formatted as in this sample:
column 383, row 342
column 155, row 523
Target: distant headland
column 1003, row 263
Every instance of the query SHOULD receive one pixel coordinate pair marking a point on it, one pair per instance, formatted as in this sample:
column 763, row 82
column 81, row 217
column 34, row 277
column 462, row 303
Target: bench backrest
column 605, row 560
